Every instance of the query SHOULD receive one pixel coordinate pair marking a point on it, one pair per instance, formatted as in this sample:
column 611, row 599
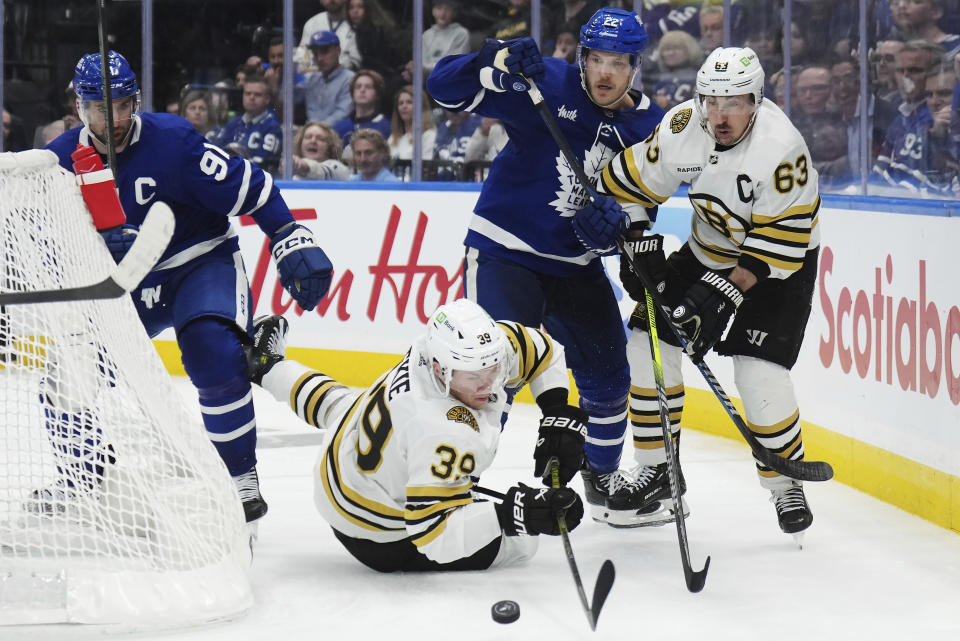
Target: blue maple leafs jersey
column 168, row 160
column 262, row 137
column 530, row 194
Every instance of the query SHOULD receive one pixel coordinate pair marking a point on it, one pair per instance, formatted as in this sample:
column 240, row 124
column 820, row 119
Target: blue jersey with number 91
column 166, row 159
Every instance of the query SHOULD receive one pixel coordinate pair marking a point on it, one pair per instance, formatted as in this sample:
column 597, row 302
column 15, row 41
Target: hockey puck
column 505, row 611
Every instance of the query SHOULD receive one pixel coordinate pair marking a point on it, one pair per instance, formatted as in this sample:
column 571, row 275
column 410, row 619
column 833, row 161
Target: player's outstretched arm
column 303, row 267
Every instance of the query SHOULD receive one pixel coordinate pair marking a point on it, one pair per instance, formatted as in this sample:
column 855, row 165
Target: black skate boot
column 793, row 513
column 620, row 500
column 248, row 486
column 269, row 346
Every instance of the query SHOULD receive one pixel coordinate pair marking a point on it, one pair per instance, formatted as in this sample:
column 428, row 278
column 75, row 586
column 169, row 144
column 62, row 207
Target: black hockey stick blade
column 152, row 240
column 601, row 590
column 696, row 580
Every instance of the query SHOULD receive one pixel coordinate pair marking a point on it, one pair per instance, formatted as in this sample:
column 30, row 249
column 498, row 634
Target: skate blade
column 798, row 539
column 660, row 514
column 253, row 532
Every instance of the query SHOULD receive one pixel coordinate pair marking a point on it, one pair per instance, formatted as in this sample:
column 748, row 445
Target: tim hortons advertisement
column 880, row 360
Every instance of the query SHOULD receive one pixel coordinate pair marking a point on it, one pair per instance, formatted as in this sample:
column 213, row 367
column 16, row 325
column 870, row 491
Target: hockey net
column 114, row 506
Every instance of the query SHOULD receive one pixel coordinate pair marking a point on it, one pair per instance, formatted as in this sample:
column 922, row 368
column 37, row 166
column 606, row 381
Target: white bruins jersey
column 401, row 461
column 754, row 204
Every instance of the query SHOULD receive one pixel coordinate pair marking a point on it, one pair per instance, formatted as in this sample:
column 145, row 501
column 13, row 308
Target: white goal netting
column 114, row 506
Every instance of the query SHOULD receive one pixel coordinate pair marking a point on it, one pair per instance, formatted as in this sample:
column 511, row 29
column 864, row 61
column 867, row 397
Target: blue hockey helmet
column 88, row 82
column 612, row 31
column 616, row 31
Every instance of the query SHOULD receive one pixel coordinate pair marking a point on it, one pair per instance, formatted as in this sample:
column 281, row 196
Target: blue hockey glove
column 503, row 65
column 119, row 240
column 303, row 268
column 599, row 224
column 705, row 311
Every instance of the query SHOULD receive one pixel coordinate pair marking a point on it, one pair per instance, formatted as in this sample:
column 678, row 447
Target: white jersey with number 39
column 754, row 204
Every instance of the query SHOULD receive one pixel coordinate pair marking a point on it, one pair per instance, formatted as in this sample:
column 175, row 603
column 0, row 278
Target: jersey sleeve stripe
column 264, row 193
column 244, row 187
column 416, row 514
column 797, row 211
column 438, row 492
column 780, row 235
column 779, row 262
column 432, row 532
column 544, row 357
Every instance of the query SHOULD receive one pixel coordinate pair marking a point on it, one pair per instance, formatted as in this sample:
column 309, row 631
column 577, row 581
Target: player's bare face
column 473, row 389
column 729, row 116
column 608, row 76
column 96, row 115
column 316, row 144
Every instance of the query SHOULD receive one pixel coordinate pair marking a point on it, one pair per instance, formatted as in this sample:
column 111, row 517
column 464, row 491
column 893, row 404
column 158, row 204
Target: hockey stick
column 605, row 578
column 802, row 470
column 105, row 84
column 604, row 584
column 151, row 242
column 695, row 579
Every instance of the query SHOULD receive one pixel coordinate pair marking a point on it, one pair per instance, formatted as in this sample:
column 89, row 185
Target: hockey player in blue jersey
column 523, row 260
column 199, row 286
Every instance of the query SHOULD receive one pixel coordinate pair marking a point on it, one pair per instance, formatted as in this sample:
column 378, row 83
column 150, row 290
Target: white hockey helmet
column 462, row 336
column 729, row 71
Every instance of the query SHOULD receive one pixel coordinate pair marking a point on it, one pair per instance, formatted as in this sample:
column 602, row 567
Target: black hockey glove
column 531, row 511
column 705, row 310
column 119, row 240
column 563, row 430
column 504, row 65
column 303, row 267
column 648, row 252
column 599, row 224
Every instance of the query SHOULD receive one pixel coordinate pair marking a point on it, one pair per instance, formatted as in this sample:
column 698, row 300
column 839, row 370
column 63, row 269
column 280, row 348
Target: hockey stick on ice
column 605, row 578
column 152, row 239
column 695, row 579
column 802, row 470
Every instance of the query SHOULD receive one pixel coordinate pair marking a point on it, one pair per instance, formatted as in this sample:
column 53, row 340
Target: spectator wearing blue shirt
column 326, row 91
column 370, row 156
column 256, row 132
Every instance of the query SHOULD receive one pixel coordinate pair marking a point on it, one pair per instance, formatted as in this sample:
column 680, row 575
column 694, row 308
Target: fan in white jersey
column 751, row 255
column 396, row 476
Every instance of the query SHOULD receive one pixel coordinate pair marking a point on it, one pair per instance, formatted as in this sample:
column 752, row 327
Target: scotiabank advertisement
column 880, row 361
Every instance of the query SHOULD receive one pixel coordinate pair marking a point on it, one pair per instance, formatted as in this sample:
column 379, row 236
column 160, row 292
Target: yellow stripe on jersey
column 330, row 466
column 780, row 263
column 799, row 237
column 441, row 491
column 779, row 426
column 432, row 532
column 532, row 361
column 416, row 514
column 797, row 211
column 633, row 175
column 312, row 403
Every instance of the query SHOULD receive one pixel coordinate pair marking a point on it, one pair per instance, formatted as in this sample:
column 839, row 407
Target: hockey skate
column 269, row 346
column 248, row 486
column 793, row 513
column 58, row 499
column 623, row 501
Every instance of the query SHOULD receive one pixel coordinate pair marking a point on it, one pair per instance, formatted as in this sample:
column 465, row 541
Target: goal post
column 114, row 506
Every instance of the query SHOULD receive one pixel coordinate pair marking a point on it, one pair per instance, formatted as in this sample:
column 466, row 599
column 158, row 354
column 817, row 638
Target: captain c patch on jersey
column 460, row 414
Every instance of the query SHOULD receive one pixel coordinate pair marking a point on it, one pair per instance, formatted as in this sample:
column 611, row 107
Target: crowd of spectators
column 354, row 71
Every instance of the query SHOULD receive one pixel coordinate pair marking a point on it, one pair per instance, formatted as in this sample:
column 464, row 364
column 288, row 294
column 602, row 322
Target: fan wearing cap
column 396, row 476
column 751, row 256
column 524, row 260
column 326, row 91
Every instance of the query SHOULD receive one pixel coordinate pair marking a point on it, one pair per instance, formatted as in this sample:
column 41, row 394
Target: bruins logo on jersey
column 680, row 120
column 460, row 414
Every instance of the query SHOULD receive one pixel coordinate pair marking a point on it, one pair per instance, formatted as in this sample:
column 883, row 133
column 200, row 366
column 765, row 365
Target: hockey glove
column 649, row 256
column 303, row 267
column 504, row 64
column 119, row 240
column 705, row 310
column 599, row 224
column 563, row 430
column 531, row 511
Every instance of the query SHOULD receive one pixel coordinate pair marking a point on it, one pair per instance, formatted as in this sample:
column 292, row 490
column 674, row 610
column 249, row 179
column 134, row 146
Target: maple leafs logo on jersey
column 680, row 120
column 460, row 414
column 571, row 197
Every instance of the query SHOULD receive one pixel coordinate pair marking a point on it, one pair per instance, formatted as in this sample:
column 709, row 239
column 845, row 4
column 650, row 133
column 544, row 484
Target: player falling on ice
column 396, row 475
column 751, row 255
column 199, row 287
column 523, row 260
